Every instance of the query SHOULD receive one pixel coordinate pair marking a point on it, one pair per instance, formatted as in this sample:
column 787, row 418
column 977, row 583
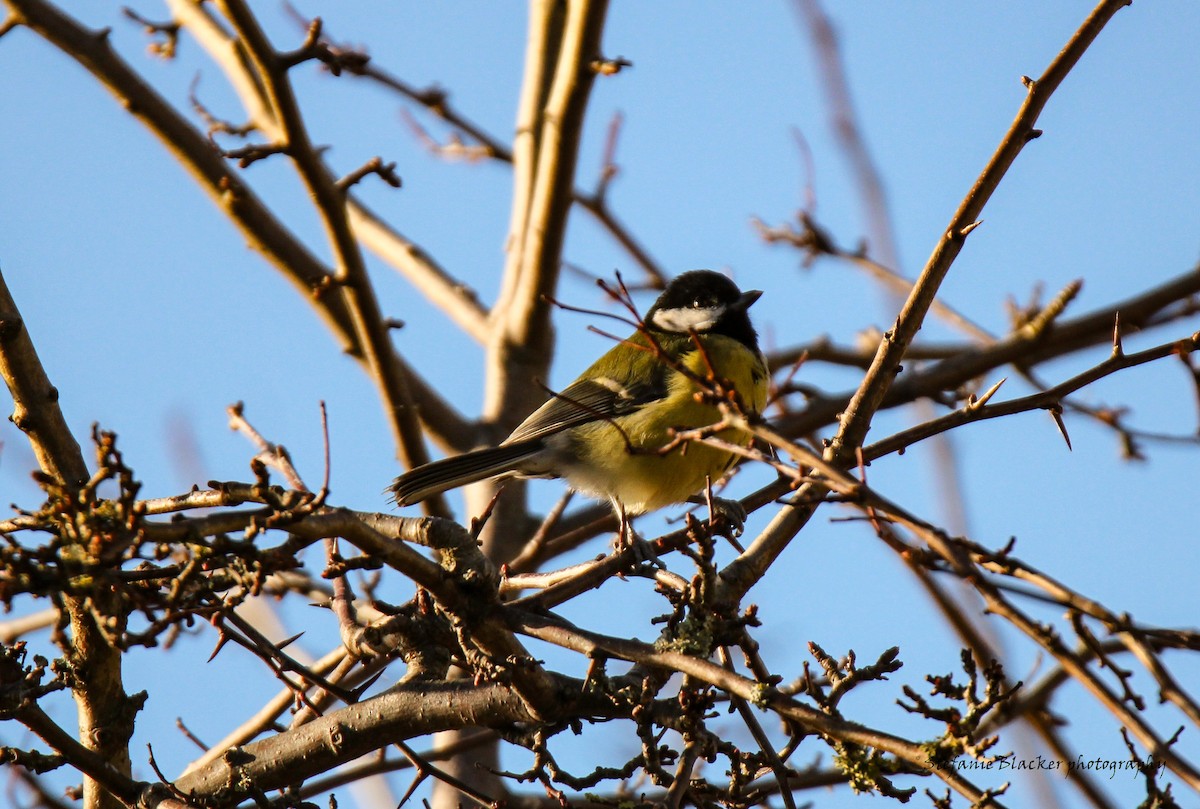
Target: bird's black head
column 705, row 302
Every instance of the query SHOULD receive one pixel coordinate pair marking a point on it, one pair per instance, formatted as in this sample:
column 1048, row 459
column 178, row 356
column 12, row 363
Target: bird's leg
column 624, row 529
column 627, row 538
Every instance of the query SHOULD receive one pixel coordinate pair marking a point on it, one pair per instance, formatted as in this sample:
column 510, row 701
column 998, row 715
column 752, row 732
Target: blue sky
column 151, row 315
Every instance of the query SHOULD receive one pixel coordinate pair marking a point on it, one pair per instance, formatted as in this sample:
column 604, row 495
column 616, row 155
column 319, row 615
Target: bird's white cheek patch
column 686, row 319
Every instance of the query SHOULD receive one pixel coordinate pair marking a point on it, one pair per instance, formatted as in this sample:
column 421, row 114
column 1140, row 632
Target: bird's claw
column 643, row 551
column 732, row 514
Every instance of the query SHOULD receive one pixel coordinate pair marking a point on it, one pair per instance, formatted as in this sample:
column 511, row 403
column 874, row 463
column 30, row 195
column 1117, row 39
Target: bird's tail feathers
column 450, row 473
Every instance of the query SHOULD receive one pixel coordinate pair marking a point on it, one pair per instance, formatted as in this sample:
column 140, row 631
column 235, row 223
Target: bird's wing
column 589, row 399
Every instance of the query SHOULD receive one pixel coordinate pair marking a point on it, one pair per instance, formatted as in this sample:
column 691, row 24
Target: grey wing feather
column 583, row 401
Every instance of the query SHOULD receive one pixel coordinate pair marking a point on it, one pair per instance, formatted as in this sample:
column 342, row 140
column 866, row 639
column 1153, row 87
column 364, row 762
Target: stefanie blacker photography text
column 1040, row 763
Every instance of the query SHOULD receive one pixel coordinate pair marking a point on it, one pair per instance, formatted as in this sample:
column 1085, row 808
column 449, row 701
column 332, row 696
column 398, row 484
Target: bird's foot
column 642, row 551
column 728, row 517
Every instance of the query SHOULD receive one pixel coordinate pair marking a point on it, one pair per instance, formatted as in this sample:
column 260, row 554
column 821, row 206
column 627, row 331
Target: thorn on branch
column 222, row 638
column 977, row 403
column 1056, row 411
column 286, row 642
column 966, row 229
column 386, row 172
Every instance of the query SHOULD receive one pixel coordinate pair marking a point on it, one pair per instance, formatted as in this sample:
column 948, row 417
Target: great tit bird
column 604, row 433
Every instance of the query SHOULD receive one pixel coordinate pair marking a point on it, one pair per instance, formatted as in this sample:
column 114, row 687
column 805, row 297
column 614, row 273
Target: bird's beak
column 746, row 299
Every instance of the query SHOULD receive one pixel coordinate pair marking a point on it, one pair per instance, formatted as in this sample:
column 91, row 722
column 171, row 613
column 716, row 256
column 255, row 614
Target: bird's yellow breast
column 634, row 469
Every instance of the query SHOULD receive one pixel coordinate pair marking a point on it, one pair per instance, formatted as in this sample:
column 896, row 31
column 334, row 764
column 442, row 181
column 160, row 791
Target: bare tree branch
column 450, row 295
column 35, row 400
column 455, row 661
column 261, row 228
column 856, row 416
column 856, row 419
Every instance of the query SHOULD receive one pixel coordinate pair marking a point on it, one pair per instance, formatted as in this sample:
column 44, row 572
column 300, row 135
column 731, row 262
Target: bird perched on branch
column 612, row 432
